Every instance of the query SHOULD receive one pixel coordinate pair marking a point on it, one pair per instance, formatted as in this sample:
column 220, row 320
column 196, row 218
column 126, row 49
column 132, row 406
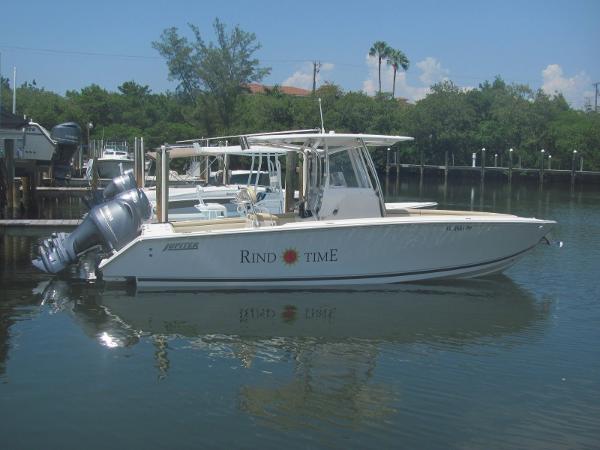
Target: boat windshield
column 347, row 169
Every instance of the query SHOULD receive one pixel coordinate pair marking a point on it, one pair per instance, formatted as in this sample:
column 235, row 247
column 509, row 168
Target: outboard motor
column 110, row 225
column 67, row 137
column 118, row 184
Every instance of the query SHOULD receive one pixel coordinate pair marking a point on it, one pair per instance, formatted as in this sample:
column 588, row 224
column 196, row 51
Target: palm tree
column 397, row 59
column 381, row 50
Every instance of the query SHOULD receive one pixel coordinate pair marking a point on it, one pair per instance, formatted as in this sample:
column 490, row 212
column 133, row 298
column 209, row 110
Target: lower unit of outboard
column 110, row 225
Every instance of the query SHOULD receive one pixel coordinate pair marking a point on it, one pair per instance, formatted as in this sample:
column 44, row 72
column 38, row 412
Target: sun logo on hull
column 290, row 256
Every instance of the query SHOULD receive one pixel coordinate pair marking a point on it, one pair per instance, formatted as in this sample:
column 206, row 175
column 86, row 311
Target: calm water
column 507, row 362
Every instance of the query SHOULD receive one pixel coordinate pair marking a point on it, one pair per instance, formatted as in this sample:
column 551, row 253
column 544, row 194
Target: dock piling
column 573, row 169
column 9, row 158
column 482, row 165
column 26, row 192
column 446, row 168
column 510, row 153
column 542, row 153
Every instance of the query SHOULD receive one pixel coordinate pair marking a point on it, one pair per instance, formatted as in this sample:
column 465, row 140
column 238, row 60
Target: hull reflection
column 332, row 341
column 463, row 310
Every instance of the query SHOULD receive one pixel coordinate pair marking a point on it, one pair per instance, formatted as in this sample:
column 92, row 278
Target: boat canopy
column 331, row 140
column 280, row 144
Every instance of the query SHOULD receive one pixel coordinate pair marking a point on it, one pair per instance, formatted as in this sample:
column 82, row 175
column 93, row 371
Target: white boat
column 114, row 162
column 342, row 234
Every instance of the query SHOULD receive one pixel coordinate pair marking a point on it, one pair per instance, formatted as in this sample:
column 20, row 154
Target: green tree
column 215, row 73
column 381, row 50
column 397, row 59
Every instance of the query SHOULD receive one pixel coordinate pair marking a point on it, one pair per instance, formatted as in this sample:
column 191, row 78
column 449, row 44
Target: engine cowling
column 111, row 225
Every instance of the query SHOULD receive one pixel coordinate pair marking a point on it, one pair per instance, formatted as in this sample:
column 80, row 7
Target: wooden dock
column 36, row 227
column 507, row 174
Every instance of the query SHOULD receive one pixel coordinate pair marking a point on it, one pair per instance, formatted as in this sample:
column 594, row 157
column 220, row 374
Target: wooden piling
column 573, row 169
column 421, row 169
column 541, row 171
column 446, row 168
column 482, row 166
column 9, row 157
column 95, row 176
column 510, row 152
column 26, row 192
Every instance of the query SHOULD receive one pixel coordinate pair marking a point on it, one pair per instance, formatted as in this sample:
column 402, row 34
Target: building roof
column 11, row 121
column 256, row 88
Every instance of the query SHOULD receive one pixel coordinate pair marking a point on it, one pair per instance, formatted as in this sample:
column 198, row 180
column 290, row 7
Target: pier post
column 387, row 163
column 9, row 157
column 573, row 169
column 94, row 182
column 510, row 153
column 422, row 168
column 482, row 165
column 26, row 192
column 446, row 167
column 387, row 172
column 290, row 171
column 542, row 153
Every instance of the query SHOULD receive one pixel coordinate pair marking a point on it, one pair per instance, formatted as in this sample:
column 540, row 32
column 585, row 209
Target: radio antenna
column 321, row 111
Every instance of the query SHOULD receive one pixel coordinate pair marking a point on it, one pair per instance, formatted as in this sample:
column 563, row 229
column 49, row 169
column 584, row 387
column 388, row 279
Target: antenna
column 321, row 111
column 14, row 99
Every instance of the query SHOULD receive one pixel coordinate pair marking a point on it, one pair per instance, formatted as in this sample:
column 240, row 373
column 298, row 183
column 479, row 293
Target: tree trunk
column 394, row 86
column 380, row 74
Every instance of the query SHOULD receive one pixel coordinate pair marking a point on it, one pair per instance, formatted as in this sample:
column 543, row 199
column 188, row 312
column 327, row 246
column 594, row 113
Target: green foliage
column 449, row 119
column 213, row 75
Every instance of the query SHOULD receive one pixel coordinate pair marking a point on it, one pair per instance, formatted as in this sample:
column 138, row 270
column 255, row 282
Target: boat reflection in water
column 333, row 340
column 464, row 310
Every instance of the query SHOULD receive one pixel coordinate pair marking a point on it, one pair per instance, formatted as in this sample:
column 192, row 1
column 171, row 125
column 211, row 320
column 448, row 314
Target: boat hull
column 326, row 254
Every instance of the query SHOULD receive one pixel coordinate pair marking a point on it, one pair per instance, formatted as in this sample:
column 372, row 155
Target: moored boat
column 340, row 234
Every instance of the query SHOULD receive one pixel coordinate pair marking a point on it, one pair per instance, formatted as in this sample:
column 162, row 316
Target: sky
column 552, row 45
